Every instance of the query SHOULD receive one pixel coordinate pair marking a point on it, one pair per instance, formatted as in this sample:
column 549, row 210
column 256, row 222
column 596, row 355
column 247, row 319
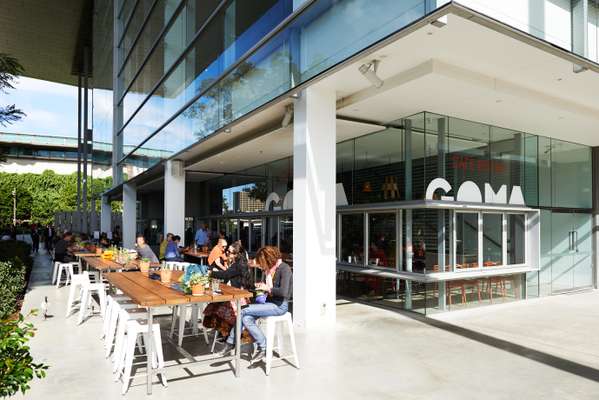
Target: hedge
column 12, row 286
column 40, row 196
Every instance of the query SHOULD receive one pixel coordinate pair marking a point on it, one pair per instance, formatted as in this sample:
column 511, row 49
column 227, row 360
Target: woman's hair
column 267, row 257
column 240, row 256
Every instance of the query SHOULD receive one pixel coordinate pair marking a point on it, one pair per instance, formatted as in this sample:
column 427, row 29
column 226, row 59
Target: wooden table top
column 85, row 254
column 107, row 265
column 101, row 264
column 148, row 292
column 195, row 253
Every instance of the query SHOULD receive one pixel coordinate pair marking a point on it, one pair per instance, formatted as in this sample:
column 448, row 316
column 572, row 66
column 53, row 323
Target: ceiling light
column 369, row 71
column 227, row 130
column 287, row 117
column 295, row 95
column 578, row 68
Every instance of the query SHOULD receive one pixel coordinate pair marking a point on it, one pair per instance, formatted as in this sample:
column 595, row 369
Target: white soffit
column 468, row 71
column 272, row 146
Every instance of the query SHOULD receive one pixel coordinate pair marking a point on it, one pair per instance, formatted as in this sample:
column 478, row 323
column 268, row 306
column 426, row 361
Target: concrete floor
column 538, row 349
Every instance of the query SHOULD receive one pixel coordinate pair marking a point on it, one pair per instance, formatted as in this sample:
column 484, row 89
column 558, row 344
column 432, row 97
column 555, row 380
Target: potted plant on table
column 198, row 282
column 144, row 265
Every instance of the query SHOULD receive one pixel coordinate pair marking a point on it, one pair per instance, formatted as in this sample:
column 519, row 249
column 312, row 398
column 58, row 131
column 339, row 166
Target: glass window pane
column 256, row 242
column 466, row 240
column 569, row 160
column 424, row 240
column 352, row 238
column 379, row 167
column 516, row 229
column 271, row 236
column 492, row 240
column 382, row 239
column 345, row 168
column 286, row 238
column 544, row 171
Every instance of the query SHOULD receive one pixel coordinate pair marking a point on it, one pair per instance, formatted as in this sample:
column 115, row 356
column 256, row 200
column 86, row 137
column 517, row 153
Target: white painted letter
column 469, row 192
column 492, row 197
column 438, row 183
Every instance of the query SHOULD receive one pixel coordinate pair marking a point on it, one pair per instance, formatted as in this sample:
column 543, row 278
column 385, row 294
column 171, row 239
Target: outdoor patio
column 539, row 349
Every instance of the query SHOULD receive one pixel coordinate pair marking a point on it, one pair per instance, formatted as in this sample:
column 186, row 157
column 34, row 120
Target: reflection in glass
column 256, row 238
column 424, row 240
column 492, row 240
column 352, row 238
column 516, row 229
column 286, row 237
column 382, row 239
column 466, row 240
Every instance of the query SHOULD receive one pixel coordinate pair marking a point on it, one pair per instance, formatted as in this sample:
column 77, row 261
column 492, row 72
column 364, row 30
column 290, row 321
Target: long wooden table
column 150, row 293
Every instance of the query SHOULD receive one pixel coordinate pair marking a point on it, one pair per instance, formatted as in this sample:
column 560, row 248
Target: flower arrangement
column 197, row 283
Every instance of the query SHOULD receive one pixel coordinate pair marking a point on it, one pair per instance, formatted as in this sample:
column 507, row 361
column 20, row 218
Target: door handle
column 575, row 238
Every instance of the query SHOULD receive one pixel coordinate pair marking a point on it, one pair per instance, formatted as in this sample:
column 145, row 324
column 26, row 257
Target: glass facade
column 376, row 231
column 219, row 70
column 186, row 70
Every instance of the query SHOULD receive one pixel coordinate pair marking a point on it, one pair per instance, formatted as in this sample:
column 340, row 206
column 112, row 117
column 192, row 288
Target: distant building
column 243, row 202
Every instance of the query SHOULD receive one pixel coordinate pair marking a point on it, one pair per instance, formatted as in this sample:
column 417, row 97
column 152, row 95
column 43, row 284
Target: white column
column 174, row 198
column 105, row 215
column 129, row 215
column 314, row 166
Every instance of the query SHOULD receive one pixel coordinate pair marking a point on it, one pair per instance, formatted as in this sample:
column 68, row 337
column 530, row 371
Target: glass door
column 571, row 251
column 583, row 247
column 562, row 275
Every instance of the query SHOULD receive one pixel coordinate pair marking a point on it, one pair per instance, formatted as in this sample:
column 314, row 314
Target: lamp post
column 14, row 207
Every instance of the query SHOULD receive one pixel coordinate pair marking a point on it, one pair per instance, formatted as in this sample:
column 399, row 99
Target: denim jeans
column 250, row 314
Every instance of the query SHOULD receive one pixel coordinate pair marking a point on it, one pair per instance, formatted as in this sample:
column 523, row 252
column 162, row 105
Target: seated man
column 217, row 257
column 62, row 248
column 172, row 252
column 143, row 249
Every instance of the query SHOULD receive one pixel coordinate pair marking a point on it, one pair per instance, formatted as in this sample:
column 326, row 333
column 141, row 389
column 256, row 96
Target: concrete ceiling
column 469, row 71
column 43, row 36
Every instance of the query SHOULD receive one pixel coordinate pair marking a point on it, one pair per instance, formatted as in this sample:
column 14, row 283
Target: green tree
column 9, row 70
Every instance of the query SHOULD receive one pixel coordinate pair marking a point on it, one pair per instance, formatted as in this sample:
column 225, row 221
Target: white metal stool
column 55, row 271
column 180, row 316
column 122, row 299
column 77, row 283
column 118, row 356
column 68, row 269
column 112, row 317
column 86, row 297
column 272, row 326
column 135, row 328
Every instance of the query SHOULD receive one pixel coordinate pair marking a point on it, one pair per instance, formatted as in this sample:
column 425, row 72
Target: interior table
column 151, row 293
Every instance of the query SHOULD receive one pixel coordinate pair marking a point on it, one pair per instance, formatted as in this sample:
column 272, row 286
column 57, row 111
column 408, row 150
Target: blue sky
column 51, row 108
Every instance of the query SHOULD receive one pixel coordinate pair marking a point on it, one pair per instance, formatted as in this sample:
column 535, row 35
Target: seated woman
column 143, row 249
column 278, row 286
column 172, row 252
column 221, row 316
column 217, row 257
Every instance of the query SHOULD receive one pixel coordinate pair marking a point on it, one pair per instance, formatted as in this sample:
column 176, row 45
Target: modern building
column 244, row 202
column 420, row 154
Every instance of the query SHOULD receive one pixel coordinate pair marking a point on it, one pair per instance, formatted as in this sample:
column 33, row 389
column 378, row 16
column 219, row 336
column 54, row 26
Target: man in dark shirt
column 61, row 250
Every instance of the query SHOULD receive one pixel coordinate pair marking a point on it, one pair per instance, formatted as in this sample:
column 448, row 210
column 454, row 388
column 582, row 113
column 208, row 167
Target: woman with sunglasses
column 221, row 316
column 278, row 286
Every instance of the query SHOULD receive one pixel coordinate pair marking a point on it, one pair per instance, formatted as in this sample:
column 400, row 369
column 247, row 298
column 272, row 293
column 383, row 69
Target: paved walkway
column 539, row 349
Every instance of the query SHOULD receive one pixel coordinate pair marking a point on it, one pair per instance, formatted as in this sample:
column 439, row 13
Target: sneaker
column 259, row 356
column 228, row 349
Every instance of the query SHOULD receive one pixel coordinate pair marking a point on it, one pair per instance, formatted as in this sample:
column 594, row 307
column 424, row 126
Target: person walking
column 35, row 239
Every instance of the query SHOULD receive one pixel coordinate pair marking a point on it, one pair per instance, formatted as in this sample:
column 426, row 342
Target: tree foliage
column 17, row 368
column 9, row 70
column 40, row 196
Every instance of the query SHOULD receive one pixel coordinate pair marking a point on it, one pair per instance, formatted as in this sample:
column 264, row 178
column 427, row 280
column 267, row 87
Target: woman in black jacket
column 221, row 316
column 278, row 287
